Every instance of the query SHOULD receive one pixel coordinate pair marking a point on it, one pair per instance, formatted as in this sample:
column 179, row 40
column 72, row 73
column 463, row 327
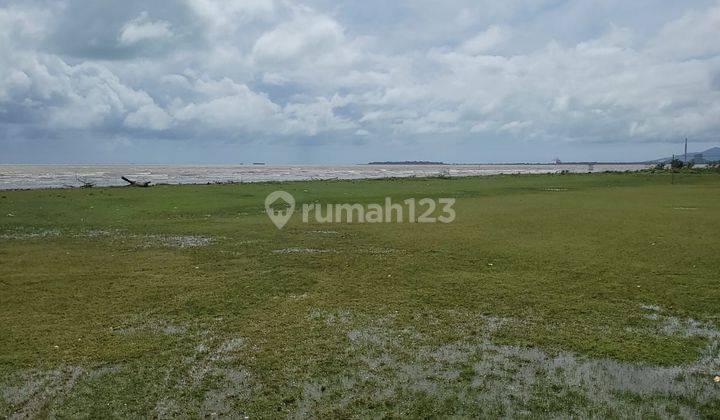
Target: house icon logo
column 284, row 202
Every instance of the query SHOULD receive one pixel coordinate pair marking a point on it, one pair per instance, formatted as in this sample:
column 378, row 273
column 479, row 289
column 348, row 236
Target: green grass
column 529, row 304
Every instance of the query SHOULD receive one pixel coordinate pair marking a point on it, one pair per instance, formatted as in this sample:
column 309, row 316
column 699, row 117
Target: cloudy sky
column 327, row 81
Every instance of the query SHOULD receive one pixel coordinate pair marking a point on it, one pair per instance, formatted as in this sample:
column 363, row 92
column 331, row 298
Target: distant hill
column 709, row 155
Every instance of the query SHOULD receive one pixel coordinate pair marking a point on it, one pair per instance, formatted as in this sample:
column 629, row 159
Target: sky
column 335, row 82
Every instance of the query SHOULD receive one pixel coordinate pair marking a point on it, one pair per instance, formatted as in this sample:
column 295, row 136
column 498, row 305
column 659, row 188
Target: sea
column 69, row 176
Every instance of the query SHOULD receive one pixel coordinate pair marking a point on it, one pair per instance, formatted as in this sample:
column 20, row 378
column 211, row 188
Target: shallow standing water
column 58, row 176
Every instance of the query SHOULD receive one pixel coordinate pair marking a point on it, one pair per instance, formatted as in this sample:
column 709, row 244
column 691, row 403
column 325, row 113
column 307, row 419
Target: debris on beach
column 132, row 183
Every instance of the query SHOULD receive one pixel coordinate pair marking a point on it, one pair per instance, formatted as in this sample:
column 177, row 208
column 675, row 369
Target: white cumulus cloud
column 480, row 72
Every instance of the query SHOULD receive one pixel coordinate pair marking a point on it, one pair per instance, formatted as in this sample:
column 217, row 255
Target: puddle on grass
column 393, row 362
column 144, row 241
column 179, row 241
column 34, row 390
column 684, row 327
column 379, row 251
column 297, row 250
column 369, row 251
column 142, row 323
column 385, row 361
column 220, row 364
column 174, row 241
column 32, row 234
column 154, row 240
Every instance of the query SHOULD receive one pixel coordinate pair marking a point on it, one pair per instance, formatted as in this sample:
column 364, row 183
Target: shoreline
column 24, row 177
column 327, row 165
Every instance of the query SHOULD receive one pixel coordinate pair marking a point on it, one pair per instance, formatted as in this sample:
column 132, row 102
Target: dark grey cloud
column 93, row 29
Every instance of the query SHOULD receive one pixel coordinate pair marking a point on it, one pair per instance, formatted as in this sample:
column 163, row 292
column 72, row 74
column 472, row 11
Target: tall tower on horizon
column 685, row 149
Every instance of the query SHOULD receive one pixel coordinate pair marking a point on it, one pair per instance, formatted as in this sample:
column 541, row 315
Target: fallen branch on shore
column 85, row 183
column 132, row 183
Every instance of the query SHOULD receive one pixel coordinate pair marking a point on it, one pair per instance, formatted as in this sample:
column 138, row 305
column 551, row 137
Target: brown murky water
column 58, row 176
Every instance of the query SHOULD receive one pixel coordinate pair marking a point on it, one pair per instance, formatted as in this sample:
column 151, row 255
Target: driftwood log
column 132, row 183
column 85, row 183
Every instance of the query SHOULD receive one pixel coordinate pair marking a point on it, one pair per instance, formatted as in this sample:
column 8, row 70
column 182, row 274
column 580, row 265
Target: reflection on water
column 57, row 176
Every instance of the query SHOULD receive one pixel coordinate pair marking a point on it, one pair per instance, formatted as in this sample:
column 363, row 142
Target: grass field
column 551, row 295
